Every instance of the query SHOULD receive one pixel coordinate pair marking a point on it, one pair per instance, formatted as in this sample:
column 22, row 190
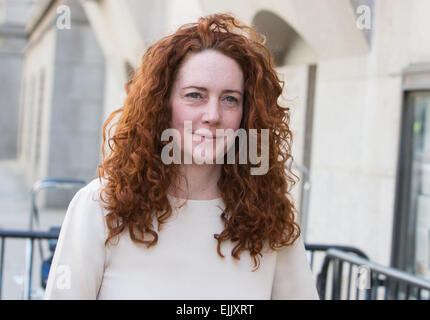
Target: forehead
column 210, row 68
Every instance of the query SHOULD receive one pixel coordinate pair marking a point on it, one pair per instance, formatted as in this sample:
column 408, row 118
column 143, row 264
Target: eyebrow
column 204, row 89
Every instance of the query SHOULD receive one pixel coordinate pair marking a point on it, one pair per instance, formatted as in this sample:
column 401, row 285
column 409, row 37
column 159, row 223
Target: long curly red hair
column 258, row 208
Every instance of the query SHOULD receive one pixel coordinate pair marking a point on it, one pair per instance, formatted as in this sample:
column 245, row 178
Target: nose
column 211, row 113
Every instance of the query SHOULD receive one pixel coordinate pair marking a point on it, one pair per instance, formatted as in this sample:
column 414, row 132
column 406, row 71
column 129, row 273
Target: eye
column 194, row 95
column 231, row 99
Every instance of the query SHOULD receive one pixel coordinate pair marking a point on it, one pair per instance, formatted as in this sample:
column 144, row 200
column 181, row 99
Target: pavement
column 15, row 206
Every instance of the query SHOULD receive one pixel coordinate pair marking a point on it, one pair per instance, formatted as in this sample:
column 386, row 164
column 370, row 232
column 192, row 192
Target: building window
column 30, row 114
column 411, row 231
column 39, row 118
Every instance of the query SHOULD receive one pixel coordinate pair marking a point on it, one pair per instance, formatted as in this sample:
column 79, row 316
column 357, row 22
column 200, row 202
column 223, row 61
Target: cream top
column 184, row 264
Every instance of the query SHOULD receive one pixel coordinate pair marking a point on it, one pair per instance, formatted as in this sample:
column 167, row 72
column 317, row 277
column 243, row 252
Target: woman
column 153, row 227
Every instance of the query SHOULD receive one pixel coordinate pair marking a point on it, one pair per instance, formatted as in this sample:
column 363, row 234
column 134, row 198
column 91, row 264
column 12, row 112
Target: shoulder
column 93, row 187
column 88, row 197
column 85, row 216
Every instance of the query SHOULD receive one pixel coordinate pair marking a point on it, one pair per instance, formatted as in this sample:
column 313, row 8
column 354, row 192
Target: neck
column 202, row 182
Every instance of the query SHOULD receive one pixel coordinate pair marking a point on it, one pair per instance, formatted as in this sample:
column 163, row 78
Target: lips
column 206, row 134
column 204, row 138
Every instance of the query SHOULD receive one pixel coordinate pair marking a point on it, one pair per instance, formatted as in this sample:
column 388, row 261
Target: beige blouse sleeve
column 78, row 264
column 293, row 278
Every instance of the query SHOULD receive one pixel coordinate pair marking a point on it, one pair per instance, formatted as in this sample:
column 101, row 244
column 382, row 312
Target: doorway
column 411, row 238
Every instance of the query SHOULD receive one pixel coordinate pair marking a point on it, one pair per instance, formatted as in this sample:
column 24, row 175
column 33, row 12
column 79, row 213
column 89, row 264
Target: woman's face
column 207, row 92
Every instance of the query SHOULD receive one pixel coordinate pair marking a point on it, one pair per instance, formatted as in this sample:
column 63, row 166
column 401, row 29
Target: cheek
column 175, row 109
column 235, row 120
column 179, row 115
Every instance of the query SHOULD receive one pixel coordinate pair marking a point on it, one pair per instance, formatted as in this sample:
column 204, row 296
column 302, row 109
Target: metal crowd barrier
column 316, row 251
column 370, row 280
column 47, row 183
column 30, row 236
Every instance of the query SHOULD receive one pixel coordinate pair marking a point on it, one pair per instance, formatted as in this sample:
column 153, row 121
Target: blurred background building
column 13, row 40
column 356, row 72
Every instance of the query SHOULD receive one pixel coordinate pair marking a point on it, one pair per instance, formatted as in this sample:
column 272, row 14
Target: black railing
column 30, row 236
column 322, row 248
column 319, row 251
column 353, row 277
